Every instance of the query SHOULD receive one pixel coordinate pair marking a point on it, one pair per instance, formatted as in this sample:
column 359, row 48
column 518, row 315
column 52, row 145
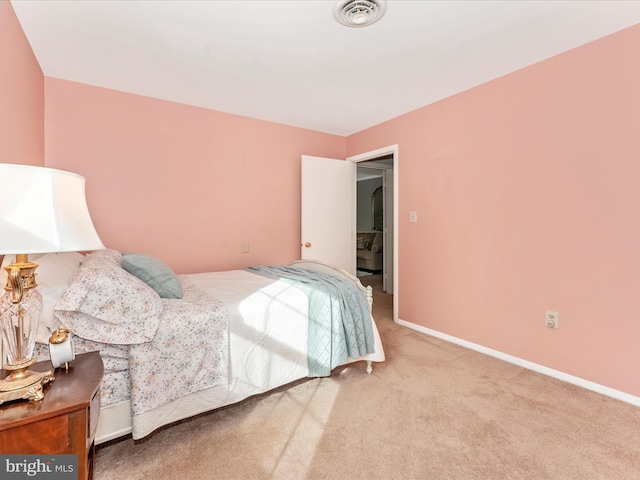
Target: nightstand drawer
column 46, row 436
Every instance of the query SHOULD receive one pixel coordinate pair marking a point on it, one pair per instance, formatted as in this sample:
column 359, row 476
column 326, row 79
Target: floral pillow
column 106, row 304
column 108, row 255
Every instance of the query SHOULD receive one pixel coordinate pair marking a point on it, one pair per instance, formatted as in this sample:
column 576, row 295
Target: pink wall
column 185, row 184
column 528, row 199
column 21, row 95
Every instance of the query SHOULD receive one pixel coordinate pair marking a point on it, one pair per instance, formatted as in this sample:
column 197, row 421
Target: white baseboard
column 565, row 377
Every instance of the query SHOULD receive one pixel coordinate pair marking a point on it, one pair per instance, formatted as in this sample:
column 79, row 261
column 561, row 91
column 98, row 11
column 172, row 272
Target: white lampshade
column 44, row 210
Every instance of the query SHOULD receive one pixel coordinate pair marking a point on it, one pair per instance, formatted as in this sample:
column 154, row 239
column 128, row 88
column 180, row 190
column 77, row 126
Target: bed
column 175, row 346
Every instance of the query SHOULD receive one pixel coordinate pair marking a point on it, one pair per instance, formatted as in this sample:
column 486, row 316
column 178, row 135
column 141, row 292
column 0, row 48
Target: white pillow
column 52, row 276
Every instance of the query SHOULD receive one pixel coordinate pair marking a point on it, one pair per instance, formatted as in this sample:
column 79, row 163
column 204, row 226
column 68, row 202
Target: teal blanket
column 339, row 317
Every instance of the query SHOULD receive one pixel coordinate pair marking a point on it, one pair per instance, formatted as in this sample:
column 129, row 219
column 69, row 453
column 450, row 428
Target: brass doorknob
column 307, row 244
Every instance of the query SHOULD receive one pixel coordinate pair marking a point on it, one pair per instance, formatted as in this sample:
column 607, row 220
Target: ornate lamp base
column 24, row 384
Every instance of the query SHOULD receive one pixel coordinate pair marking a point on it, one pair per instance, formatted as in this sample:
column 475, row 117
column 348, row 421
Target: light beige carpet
column 433, row 410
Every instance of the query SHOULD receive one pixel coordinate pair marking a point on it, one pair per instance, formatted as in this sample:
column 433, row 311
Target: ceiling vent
column 359, row 13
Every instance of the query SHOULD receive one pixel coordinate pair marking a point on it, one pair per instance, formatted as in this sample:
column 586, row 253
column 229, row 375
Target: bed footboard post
column 369, row 367
column 370, row 297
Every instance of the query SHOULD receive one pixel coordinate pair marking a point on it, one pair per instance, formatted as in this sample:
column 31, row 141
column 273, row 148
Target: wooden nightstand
column 64, row 421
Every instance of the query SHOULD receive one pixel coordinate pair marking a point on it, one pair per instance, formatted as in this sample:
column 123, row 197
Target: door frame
column 362, row 157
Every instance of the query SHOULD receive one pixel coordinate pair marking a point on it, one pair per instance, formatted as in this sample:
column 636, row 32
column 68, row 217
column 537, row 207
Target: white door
column 328, row 211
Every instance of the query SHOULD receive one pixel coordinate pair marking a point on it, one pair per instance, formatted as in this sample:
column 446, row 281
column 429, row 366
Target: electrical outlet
column 245, row 247
column 551, row 319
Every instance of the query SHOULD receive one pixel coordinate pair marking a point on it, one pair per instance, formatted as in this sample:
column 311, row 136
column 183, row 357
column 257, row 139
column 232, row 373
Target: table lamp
column 42, row 210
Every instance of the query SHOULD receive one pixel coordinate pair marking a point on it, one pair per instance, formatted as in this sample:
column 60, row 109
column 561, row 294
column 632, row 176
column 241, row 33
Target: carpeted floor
column 433, row 410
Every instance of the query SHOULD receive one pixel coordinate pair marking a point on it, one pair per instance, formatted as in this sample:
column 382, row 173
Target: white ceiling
column 290, row 62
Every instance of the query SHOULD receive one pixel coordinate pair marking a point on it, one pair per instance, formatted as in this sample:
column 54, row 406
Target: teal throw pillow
column 155, row 273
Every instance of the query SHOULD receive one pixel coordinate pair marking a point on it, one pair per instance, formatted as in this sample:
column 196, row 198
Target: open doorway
column 374, row 222
column 343, row 225
column 374, row 225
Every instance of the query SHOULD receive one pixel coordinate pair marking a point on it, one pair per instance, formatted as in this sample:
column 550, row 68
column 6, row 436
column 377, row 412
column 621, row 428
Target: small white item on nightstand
column 61, row 348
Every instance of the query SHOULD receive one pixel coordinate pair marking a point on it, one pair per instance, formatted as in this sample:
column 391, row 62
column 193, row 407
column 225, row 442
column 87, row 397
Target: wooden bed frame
column 116, row 420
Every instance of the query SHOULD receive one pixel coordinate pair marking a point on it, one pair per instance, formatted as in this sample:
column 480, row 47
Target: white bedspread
column 267, row 344
column 267, row 330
